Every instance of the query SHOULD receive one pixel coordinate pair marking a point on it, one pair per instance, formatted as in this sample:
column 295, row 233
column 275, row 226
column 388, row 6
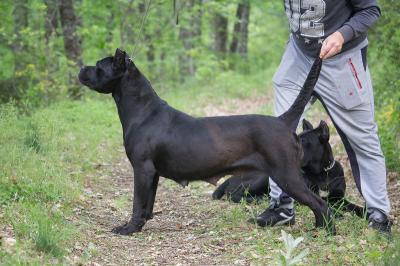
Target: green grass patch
column 44, row 159
column 46, row 229
column 354, row 243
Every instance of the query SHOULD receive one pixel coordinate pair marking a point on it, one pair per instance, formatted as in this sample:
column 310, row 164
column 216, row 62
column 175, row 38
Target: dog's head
column 107, row 73
column 317, row 150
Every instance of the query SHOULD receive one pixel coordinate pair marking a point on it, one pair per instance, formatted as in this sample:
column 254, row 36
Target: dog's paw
column 126, row 229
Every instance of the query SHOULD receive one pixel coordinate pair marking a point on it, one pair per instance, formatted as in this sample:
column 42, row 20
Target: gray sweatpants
column 344, row 87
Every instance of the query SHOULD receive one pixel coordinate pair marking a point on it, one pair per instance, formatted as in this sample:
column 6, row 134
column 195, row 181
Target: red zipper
column 353, row 70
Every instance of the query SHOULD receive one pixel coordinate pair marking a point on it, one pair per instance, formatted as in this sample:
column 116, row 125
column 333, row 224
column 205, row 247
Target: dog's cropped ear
column 119, row 60
column 307, row 125
column 324, row 137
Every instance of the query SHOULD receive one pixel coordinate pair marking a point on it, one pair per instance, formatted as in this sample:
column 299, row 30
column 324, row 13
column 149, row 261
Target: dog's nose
column 81, row 76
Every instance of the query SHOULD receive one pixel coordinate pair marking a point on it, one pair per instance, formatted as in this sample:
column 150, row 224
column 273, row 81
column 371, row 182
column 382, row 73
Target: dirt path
column 180, row 232
column 176, row 235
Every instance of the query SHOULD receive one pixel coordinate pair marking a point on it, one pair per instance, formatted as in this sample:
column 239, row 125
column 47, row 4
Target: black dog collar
column 330, row 166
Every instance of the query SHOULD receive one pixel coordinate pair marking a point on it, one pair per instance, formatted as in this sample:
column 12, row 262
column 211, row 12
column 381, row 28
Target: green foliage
column 392, row 254
column 44, row 75
column 288, row 257
column 385, row 65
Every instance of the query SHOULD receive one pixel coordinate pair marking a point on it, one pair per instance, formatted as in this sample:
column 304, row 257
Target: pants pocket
column 351, row 81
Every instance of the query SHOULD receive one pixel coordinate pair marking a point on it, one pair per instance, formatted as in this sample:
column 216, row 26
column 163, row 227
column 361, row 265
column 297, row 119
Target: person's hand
column 332, row 45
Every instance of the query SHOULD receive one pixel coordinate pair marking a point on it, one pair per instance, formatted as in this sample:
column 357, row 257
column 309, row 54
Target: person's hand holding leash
column 332, row 45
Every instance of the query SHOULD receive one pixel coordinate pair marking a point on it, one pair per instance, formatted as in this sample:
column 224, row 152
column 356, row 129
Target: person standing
column 336, row 31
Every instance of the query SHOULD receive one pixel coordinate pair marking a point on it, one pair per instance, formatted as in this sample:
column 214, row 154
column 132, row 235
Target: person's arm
column 359, row 23
column 366, row 13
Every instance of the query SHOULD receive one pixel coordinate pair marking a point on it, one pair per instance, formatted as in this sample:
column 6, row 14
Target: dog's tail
column 292, row 116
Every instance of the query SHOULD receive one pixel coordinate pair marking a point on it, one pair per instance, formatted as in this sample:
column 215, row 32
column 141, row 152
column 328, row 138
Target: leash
column 144, row 18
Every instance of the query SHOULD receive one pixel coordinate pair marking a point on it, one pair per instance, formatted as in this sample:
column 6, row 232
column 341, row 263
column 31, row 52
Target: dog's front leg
column 151, row 197
column 144, row 176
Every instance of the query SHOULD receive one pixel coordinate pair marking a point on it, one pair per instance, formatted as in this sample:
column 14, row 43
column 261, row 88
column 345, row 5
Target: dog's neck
column 135, row 100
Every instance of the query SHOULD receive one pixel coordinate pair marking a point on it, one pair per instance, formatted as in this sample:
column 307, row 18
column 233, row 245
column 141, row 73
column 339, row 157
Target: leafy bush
column 385, row 58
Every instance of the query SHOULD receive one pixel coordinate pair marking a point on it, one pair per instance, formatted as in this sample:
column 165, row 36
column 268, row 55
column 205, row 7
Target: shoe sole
column 289, row 221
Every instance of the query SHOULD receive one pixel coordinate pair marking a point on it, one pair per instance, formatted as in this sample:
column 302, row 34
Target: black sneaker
column 384, row 226
column 276, row 216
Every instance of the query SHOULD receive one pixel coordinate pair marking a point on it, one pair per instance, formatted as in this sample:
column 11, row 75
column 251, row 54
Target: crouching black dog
column 323, row 175
column 162, row 141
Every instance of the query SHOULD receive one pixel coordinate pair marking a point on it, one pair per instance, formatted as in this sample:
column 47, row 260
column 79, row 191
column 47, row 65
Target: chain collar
column 330, row 166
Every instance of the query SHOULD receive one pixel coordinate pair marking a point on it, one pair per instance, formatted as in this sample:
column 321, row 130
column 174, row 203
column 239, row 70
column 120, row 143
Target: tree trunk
column 20, row 14
column 110, row 25
column 189, row 33
column 240, row 31
column 220, row 34
column 69, row 22
column 72, row 43
column 51, row 19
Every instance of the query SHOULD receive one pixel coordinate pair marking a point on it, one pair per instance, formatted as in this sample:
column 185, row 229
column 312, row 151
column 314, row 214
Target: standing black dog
column 162, row 141
column 321, row 172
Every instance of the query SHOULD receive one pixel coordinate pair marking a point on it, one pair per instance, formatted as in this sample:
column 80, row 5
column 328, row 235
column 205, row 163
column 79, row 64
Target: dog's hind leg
column 220, row 191
column 260, row 187
column 144, row 174
column 293, row 184
column 336, row 197
column 248, row 186
column 357, row 210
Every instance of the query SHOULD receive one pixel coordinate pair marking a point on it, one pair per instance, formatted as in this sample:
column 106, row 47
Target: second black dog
column 324, row 175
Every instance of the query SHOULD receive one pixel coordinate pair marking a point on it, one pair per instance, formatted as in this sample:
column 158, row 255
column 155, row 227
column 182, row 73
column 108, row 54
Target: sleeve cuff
column 347, row 33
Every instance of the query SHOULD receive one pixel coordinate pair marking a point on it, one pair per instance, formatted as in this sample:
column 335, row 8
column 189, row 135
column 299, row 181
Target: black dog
column 160, row 140
column 322, row 173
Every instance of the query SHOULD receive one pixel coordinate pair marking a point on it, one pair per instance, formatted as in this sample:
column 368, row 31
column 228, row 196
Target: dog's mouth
column 84, row 82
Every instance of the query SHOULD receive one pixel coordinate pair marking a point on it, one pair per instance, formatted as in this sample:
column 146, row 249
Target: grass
column 44, row 158
column 354, row 243
column 47, row 231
